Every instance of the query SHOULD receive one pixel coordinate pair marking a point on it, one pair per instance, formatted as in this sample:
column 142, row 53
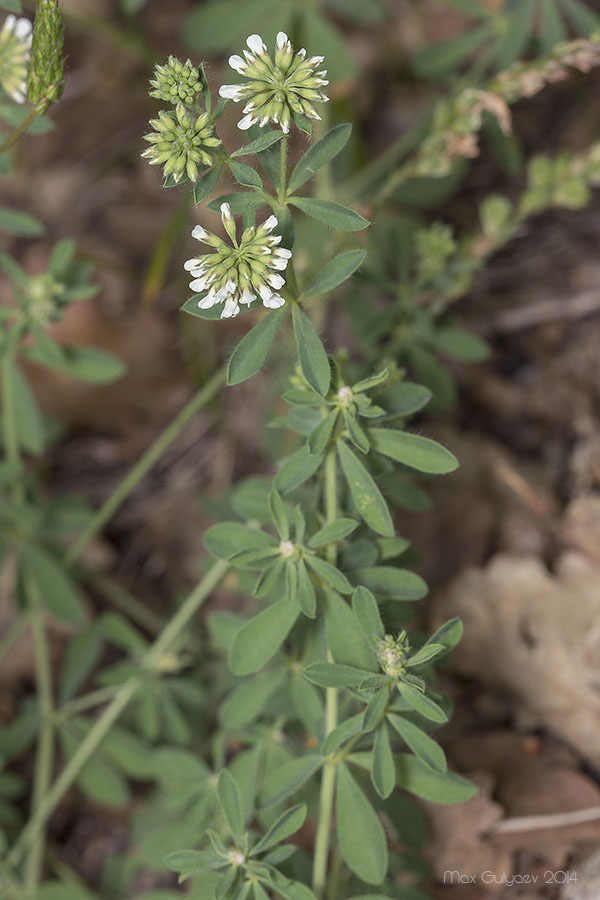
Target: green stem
column 20, row 130
column 44, row 759
column 81, row 704
column 118, row 596
column 321, row 857
column 144, row 464
column 9, row 413
column 126, row 692
column 283, row 148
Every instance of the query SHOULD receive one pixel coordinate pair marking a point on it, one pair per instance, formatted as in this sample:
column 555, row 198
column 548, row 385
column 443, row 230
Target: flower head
column 392, row 654
column 15, row 43
column 181, row 142
column 236, row 273
column 176, row 82
column 45, row 77
column 278, row 87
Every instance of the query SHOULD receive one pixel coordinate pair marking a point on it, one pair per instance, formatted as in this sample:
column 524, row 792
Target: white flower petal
column 274, row 302
column 198, row 285
column 207, row 302
column 279, row 264
column 200, row 233
column 269, row 224
column 247, row 297
column 276, row 281
column 230, row 309
column 232, row 91
column 246, row 122
column 238, row 64
column 282, row 40
column 23, row 29
column 225, row 211
column 256, row 44
column 191, row 264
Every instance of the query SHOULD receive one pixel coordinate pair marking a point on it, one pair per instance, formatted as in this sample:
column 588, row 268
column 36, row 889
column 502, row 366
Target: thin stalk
column 123, row 697
column 9, row 413
column 44, row 759
column 283, row 148
column 81, row 704
column 20, row 130
column 144, row 464
column 125, row 602
column 321, row 857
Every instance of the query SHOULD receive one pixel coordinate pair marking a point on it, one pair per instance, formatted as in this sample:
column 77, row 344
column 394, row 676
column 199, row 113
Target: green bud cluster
column 176, row 82
column 181, row 143
column 46, row 66
column 43, row 300
column 392, row 654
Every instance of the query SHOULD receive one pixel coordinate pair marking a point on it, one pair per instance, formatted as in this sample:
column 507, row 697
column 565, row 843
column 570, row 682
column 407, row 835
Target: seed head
column 45, row 78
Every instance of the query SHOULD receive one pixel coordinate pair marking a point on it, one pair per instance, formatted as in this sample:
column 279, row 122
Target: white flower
column 279, row 87
column 15, row 44
column 236, row 273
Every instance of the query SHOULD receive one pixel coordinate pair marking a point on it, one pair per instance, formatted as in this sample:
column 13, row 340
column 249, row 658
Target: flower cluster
column 392, row 654
column 235, row 274
column 181, row 142
column 46, row 66
column 15, row 44
column 176, row 82
column 278, row 88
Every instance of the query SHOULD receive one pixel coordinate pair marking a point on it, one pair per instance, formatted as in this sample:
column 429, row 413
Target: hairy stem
column 331, row 709
column 44, row 759
column 123, row 697
column 144, row 464
column 283, row 148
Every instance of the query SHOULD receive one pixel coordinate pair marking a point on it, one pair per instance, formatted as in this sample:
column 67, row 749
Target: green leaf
column 231, row 805
column 218, row 25
column 366, row 612
column 513, row 42
column 29, row 422
column 245, row 174
column 372, row 381
column 278, row 514
column 360, row 833
column 82, row 655
column 584, row 19
column 21, row 224
column 288, row 823
column 423, row 746
column 335, row 272
column 552, row 29
column 246, row 701
column 333, row 214
column 345, row 638
column 422, row 704
column 319, row 155
column 287, row 780
column 461, row 344
column 441, row 58
column 84, row 363
column 261, row 143
column 383, row 772
column 405, row 398
column 259, row 639
column 335, row 675
column 344, row 731
column 414, row 776
column 391, row 583
column 311, row 353
column 320, row 436
column 428, row 652
column 335, row 531
column 228, row 538
column 448, row 634
column 375, row 709
column 252, row 351
column 206, row 184
column 297, row 469
column 98, row 779
column 306, row 592
column 365, row 493
column 329, row 573
column 414, row 451
column 58, row 593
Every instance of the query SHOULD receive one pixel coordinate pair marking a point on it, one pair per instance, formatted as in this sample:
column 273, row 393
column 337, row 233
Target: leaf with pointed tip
column 252, row 351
